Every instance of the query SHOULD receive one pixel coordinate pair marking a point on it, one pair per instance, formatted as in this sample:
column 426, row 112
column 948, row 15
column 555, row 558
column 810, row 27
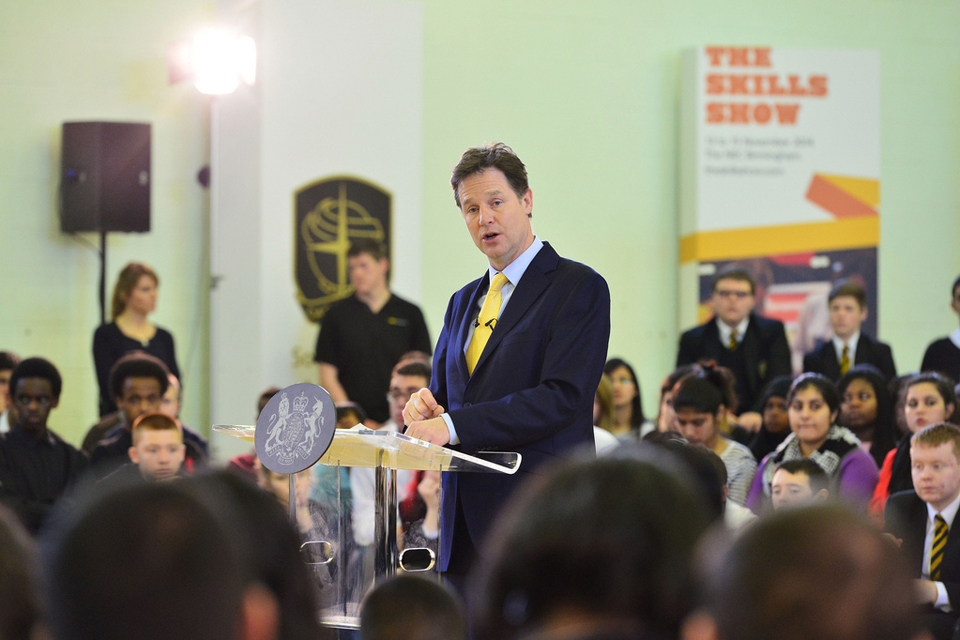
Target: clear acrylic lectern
column 335, row 558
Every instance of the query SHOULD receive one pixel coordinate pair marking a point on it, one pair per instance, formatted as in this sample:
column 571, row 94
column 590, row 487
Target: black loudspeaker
column 105, row 177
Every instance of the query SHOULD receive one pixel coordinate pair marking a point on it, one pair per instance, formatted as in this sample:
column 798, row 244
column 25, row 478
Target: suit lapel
column 751, row 350
column 828, row 355
column 864, row 350
column 531, row 285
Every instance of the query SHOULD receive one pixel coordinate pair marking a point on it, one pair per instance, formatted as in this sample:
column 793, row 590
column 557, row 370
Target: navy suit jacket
column 533, row 387
column 766, row 355
column 905, row 516
column 823, row 360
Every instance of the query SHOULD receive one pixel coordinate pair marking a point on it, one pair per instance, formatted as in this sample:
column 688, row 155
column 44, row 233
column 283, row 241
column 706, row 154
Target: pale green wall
column 587, row 95
column 585, row 92
column 98, row 60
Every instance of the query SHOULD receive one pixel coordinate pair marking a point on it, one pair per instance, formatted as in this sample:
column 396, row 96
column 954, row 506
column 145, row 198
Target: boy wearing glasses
column 36, row 465
column 754, row 348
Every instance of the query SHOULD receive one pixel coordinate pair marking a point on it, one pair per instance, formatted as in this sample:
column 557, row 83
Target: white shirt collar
column 515, row 270
column 726, row 331
column 852, row 343
column 949, row 512
column 955, row 337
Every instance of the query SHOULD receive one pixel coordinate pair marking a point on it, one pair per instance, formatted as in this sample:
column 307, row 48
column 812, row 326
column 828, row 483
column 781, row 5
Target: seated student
column 157, row 453
column 138, row 382
column 943, row 355
column 408, row 607
column 848, row 310
column 776, row 423
column 813, row 405
column 699, row 406
column 925, row 399
column 36, row 465
column 666, row 419
column 628, row 417
column 8, row 362
column 814, row 573
column 923, row 521
column 798, row 483
column 867, row 410
column 420, row 512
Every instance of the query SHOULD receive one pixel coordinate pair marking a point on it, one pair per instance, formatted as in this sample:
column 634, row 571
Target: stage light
column 215, row 59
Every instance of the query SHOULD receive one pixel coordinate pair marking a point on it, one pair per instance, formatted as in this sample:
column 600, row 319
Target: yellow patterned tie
column 486, row 321
column 936, row 551
column 845, row 360
column 733, row 341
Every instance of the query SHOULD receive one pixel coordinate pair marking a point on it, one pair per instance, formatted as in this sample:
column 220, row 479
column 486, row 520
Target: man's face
column 34, row 400
column 846, row 316
column 732, row 301
column 790, row 489
column 496, row 218
column 366, row 273
column 5, row 389
column 139, row 396
column 401, row 388
column 158, row 453
column 936, row 474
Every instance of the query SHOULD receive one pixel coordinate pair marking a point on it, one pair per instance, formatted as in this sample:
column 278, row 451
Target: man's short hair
column 8, row 360
column 155, row 421
column 850, row 288
column 36, row 368
column 345, row 408
column 734, row 272
column 953, row 290
column 592, row 535
column 415, row 369
column 812, row 572
column 138, row 364
column 150, row 562
column 492, row 156
column 368, row 246
column 814, row 472
column 936, row 435
column 409, row 606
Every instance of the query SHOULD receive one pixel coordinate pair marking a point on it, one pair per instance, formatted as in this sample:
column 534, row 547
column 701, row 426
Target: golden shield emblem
column 328, row 216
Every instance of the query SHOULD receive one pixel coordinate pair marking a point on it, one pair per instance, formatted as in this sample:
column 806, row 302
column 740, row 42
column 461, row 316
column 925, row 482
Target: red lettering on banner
column 746, row 113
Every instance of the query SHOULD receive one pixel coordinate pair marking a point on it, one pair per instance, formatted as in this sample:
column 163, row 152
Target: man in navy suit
column 754, row 348
column 525, row 377
column 924, row 524
column 849, row 347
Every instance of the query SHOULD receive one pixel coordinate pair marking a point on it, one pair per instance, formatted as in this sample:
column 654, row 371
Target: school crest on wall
column 328, row 215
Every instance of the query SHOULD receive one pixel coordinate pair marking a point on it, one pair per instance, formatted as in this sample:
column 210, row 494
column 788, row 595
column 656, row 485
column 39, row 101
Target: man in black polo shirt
column 36, row 465
column 362, row 337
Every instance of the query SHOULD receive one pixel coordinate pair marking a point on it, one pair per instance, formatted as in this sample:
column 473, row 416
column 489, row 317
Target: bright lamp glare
column 221, row 59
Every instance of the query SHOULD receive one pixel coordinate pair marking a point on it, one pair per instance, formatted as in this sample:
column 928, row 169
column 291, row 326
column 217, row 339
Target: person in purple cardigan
column 812, row 406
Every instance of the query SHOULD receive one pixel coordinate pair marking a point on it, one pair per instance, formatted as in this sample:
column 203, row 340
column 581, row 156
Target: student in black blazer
column 910, row 517
column 848, row 310
column 754, row 348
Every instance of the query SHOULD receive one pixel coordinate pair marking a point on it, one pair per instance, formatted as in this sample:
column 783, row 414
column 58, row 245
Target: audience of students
column 926, row 398
column 587, row 550
column 813, row 406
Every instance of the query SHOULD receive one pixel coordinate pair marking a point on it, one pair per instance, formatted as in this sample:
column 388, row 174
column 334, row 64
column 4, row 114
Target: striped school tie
column 939, row 543
column 845, row 360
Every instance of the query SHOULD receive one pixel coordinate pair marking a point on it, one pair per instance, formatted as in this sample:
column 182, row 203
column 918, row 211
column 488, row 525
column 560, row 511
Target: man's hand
column 750, row 420
column 926, row 591
column 421, row 406
column 433, row 431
